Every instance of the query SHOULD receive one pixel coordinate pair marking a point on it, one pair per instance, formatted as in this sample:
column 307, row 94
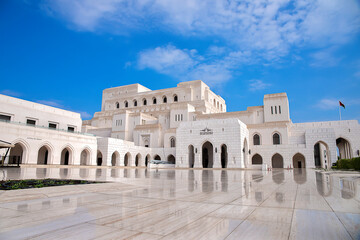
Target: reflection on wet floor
column 177, row 203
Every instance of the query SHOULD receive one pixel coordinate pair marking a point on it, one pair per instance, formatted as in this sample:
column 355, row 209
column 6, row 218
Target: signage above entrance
column 206, row 131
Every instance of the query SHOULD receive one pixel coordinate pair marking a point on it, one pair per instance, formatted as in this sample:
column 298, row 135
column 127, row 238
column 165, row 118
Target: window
column 172, row 142
column 71, row 129
column 143, row 121
column 275, row 109
column 175, row 117
column 272, row 111
column 175, row 98
column 181, row 117
column 279, row 109
column 30, row 122
column 164, row 99
column 117, row 105
column 135, row 103
column 256, row 139
column 144, row 102
column 214, row 103
column 276, row 139
column 126, row 104
column 5, row 118
column 52, row 125
column 221, row 107
column 154, row 100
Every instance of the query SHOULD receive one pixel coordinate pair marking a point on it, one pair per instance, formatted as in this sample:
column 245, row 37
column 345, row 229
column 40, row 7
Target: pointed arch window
column 256, row 139
column 117, row 105
column 164, row 99
column 172, row 142
column 276, row 139
column 175, row 98
column 126, row 104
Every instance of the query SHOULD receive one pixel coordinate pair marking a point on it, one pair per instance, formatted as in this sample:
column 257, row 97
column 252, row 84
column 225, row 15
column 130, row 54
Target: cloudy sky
column 65, row 52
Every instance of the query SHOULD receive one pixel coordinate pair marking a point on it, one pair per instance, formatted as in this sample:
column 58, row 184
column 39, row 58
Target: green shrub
column 345, row 164
column 356, row 163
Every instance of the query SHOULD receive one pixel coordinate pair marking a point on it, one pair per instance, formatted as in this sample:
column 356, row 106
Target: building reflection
column 258, row 197
column 278, row 176
column 299, row 175
column 323, row 184
column 224, row 181
column 207, row 181
column 279, row 197
column 191, row 181
column 348, row 188
column 84, row 172
column 64, row 172
column 41, row 172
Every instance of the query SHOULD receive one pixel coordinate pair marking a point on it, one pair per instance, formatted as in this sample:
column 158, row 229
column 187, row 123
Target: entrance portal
column 343, row 148
column 224, row 156
column 277, row 161
column 99, row 158
column 207, row 155
column 43, row 155
column 299, row 161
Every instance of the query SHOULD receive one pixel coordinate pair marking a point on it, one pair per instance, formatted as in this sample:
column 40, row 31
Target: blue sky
column 65, row 52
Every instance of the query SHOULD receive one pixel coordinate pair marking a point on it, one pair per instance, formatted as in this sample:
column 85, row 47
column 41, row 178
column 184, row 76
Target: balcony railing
column 43, row 127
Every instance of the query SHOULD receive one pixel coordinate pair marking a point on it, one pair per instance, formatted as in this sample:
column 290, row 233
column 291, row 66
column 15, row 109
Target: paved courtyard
column 182, row 204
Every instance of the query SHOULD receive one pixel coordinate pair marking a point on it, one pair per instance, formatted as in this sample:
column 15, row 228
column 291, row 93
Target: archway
column 321, row 155
column 138, row 159
column 127, row 159
column 171, row 159
column 99, row 158
column 85, row 157
column 224, row 156
column 147, row 159
column 43, row 155
column 207, row 155
column 157, row 157
column 299, row 161
column 191, row 156
column 343, row 148
column 256, row 160
column 277, row 161
column 115, row 157
column 17, row 153
column 65, row 156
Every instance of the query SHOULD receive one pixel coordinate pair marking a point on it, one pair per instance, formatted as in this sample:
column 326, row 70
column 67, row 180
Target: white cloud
column 266, row 28
column 167, row 60
column 85, row 115
column 184, row 64
column 257, row 85
column 53, row 103
column 328, row 104
column 10, row 93
column 324, row 58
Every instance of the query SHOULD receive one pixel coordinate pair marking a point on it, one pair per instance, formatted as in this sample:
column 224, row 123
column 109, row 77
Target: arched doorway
column 343, row 148
column 246, row 153
column 43, row 155
column 115, row 158
column 16, row 154
column 256, row 160
column 147, row 159
column 65, row 156
column 277, row 161
column 138, row 159
column 207, row 155
column 85, row 157
column 299, row 161
column 127, row 159
column 99, row 158
column 191, row 156
column 157, row 157
column 171, row 159
column 224, row 156
column 321, row 155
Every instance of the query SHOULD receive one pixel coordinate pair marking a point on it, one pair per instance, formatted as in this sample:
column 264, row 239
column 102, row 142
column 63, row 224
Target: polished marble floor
column 183, row 204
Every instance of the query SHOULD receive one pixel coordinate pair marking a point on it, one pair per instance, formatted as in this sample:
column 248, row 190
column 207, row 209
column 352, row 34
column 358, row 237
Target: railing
column 10, row 161
column 43, row 127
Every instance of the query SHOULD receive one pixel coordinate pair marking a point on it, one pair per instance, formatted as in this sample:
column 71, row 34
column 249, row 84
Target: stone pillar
column 217, row 159
column 198, row 163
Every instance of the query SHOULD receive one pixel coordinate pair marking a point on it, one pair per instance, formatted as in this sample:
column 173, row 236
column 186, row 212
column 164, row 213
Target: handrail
column 43, row 127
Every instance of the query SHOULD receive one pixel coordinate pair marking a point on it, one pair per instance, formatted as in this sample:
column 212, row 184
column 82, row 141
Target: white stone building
column 187, row 125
